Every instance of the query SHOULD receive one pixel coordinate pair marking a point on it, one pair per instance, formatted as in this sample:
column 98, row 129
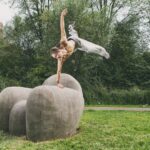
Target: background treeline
column 123, row 79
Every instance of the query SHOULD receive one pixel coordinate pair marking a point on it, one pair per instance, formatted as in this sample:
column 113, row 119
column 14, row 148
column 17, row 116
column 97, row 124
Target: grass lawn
column 99, row 130
column 129, row 106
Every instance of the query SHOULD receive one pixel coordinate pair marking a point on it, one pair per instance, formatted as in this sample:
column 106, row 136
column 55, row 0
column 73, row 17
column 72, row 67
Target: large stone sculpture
column 45, row 112
column 54, row 112
column 8, row 98
column 17, row 121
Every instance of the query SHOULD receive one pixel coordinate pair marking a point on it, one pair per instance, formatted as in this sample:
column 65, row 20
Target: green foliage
column 5, row 82
column 25, row 50
column 133, row 96
column 98, row 130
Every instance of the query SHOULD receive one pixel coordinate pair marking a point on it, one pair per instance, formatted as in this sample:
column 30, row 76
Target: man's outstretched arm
column 62, row 25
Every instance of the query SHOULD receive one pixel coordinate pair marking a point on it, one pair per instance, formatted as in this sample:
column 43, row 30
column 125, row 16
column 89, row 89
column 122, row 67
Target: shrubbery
column 133, row 96
column 5, row 82
column 25, row 51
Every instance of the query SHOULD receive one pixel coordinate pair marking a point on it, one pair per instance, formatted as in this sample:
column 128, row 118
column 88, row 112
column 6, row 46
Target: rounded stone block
column 17, row 123
column 8, row 98
column 66, row 80
column 53, row 112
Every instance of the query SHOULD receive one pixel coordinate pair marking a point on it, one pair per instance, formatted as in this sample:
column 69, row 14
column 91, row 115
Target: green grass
column 99, row 130
column 129, row 106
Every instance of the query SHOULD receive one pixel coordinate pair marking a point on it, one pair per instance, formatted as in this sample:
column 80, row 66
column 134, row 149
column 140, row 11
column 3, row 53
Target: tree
column 38, row 30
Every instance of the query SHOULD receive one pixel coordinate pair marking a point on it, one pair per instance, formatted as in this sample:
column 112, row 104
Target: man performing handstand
column 64, row 49
column 67, row 46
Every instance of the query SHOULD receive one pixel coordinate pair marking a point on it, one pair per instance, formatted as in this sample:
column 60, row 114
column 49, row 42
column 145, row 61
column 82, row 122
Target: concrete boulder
column 54, row 112
column 45, row 112
column 8, row 98
column 17, row 121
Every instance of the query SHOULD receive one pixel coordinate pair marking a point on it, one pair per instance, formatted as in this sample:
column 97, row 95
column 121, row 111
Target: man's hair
column 54, row 49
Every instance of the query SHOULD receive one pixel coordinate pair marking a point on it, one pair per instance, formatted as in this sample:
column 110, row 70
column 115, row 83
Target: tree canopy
column 25, row 48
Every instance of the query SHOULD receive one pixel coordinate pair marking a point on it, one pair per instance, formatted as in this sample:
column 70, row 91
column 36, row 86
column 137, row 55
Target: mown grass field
column 126, row 106
column 99, row 130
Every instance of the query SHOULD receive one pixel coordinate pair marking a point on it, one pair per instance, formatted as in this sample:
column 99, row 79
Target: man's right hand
column 64, row 12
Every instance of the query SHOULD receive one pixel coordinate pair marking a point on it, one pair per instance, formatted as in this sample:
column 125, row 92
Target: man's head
column 58, row 52
column 54, row 52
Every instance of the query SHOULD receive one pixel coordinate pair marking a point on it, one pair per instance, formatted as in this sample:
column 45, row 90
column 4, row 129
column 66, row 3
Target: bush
column 133, row 96
column 5, row 82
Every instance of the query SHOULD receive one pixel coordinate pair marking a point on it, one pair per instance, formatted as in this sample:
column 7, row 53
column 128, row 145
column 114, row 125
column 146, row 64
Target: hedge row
column 117, row 96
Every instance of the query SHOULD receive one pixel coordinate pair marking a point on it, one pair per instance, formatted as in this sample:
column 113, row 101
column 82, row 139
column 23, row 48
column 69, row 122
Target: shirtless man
column 67, row 46
column 64, row 49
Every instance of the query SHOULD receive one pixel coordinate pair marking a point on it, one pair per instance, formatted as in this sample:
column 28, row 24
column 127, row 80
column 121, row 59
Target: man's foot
column 60, row 85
